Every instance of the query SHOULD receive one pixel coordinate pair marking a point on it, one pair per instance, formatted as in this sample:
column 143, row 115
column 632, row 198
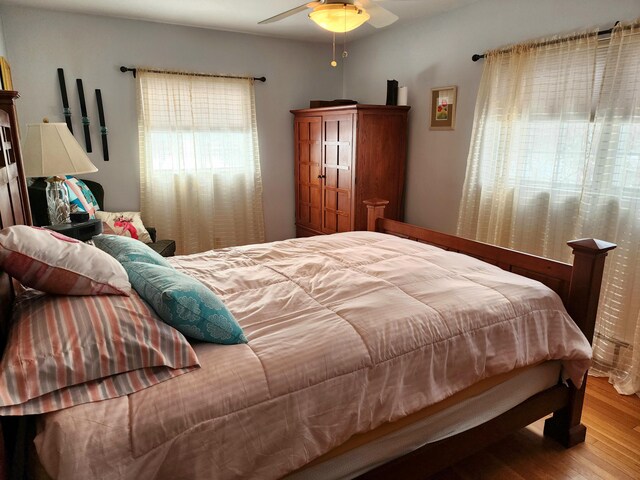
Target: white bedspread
column 345, row 332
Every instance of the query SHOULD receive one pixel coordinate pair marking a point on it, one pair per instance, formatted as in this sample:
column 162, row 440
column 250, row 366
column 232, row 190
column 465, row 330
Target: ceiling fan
column 341, row 15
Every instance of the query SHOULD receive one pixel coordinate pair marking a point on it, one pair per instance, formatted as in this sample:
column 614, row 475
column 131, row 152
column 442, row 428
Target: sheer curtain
column 527, row 157
column 555, row 155
column 611, row 209
column 200, row 178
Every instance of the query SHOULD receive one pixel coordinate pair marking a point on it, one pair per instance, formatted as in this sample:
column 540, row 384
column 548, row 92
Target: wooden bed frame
column 577, row 285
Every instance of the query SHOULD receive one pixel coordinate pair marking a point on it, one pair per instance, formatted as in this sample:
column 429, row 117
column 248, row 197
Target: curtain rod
column 134, row 70
column 477, row 57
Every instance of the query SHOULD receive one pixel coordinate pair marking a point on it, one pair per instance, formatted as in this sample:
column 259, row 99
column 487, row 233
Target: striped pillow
column 59, row 343
column 80, row 197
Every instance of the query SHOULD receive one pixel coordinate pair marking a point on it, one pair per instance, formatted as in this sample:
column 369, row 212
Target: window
column 199, row 161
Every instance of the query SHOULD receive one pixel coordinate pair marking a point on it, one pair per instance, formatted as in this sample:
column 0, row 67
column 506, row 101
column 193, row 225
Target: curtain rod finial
column 124, row 69
column 476, row 57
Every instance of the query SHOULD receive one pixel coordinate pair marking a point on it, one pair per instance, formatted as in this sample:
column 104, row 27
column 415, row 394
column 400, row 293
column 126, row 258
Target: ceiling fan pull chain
column 345, row 54
column 333, row 61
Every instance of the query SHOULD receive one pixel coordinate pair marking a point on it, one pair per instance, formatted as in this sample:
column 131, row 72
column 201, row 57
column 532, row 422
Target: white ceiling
column 237, row 15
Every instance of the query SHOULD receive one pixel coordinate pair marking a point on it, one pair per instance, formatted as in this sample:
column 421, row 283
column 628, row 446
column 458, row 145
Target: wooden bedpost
column 375, row 210
column 584, row 292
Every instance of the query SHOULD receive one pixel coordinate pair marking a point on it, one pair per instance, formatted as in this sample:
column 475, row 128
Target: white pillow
column 54, row 263
column 127, row 224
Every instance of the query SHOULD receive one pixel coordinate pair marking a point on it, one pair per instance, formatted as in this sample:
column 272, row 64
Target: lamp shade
column 338, row 17
column 50, row 150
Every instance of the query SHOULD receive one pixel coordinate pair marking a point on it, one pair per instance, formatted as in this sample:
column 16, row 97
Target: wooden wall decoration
column 66, row 111
column 85, row 115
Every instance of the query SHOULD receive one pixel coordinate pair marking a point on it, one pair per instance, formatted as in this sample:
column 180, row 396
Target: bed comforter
column 345, row 332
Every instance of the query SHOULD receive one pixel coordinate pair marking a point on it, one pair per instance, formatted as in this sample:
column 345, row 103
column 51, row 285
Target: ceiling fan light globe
column 338, row 17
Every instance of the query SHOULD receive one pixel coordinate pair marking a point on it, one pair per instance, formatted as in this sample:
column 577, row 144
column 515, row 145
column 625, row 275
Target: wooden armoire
column 343, row 156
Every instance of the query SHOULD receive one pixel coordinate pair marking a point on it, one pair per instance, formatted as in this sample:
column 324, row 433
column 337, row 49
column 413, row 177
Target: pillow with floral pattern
column 127, row 224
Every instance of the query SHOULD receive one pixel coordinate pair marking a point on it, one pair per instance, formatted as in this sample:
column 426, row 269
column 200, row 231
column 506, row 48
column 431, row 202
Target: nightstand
column 82, row 231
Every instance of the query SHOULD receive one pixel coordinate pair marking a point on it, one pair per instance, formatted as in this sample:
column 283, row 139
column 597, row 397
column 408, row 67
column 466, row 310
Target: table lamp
column 50, row 150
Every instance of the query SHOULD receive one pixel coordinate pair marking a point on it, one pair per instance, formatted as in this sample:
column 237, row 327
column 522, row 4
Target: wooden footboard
column 578, row 286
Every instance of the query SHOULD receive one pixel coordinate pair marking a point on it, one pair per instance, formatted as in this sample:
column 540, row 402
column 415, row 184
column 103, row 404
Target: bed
column 342, row 339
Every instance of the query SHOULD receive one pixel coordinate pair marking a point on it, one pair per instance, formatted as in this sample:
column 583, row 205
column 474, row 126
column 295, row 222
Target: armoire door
column 337, row 160
column 308, row 137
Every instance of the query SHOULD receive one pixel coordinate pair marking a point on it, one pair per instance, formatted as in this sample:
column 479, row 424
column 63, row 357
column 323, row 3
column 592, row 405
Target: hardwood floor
column 611, row 451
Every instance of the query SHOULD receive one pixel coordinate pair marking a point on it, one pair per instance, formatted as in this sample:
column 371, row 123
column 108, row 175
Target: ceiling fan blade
column 380, row 17
column 288, row 13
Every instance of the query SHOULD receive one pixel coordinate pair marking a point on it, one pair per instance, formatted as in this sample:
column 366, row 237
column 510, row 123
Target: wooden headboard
column 14, row 200
column 14, row 210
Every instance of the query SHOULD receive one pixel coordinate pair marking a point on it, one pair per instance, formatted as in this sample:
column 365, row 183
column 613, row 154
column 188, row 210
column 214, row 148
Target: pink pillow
column 63, row 351
column 54, row 263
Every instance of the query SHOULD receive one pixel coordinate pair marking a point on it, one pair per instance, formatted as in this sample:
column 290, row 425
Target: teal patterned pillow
column 127, row 249
column 185, row 303
column 80, row 197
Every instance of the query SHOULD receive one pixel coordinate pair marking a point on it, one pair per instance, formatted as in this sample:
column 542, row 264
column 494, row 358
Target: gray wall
column 92, row 48
column 3, row 48
column 437, row 52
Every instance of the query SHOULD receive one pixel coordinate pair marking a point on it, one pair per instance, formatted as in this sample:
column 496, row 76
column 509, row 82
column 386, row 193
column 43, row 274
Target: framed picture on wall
column 443, row 108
